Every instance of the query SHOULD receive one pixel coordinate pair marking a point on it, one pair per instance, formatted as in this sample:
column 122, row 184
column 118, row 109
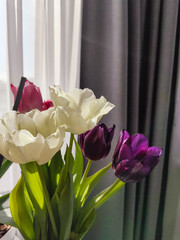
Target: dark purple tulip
column 133, row 159
column 96, row 143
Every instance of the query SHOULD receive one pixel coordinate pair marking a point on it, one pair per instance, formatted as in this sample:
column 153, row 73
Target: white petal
column 24, row 147
column 78, row 124
column 3, row 128
column 10, row 120
column 27, row 123
column 83, row 110
column 28, row 144
column 53, row 144
column 82, row 97
column 99, row 108
column 62, row 116
column 72, row 121
column 4, row 148
column 15, row 153
column 45, row 124
column 58, row 96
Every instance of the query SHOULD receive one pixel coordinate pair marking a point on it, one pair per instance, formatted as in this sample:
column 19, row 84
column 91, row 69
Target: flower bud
column 133, row 159
column 31, row 97
column 96, row 143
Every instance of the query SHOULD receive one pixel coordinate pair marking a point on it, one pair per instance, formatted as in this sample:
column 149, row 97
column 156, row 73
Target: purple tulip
column 31, row 97
column 96, row 143
column 133, row 159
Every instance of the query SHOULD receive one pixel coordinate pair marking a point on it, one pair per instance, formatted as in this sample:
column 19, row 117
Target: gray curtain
column 130, row 54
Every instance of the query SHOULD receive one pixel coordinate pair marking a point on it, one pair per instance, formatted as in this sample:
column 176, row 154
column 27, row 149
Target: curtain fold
column 171, row 199
column 15, row 71
column 129, row 54
column 15, row 43
column 57, row 38
column 171, row 195
column 160, row 112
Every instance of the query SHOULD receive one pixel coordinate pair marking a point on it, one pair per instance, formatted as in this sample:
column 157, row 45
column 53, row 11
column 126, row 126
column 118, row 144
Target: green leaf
column 69, row 160
column 35, row 191
column 37, row 228
column 78, row 167
column 96, row 202
column 21, row 209
column 80, row 232
column 61, row 183
column 56, row 196
column 103, row 196
column 4, row 167
column 45, row 169
column 87, row 224
column 90, row 183
column 5, row 213
column 65, row 208
column 54, row 203
column 33, row 184
column 55, row 166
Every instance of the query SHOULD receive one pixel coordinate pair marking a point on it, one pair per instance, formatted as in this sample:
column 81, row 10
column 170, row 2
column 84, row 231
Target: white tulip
column 78, row 110
column 30, row 137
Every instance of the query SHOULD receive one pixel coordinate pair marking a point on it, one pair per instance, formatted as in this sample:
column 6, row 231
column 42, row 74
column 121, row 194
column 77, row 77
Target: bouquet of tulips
column 52, row 197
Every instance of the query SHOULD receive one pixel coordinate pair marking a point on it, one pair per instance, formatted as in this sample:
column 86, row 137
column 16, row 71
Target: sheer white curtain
column 41, row 41
column 57, row 43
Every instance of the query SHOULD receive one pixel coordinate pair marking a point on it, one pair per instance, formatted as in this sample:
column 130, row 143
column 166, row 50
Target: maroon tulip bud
column 47, row 104
column 31, row 97
column 96, row 143
column 133, row 159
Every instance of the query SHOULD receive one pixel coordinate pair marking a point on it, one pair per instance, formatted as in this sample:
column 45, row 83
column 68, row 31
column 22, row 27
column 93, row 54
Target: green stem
column 109, row 165
column 105, row 194
column 69, row 152
column 88, row 166
column 47, row 200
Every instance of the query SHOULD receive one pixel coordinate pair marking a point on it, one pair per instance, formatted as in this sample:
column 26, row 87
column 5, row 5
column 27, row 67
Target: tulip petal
column 152, row 156
column 81, row 140
column 82, row 98
column 58, row 96
column 96, row 143
column 31, row 137
column 27, row 123
column 125, row 151
column 83, row 109
column 15, row 153
column 42, row 120
column 131, row 171
column 4, row 149
column 47, row 104
column 124, row 135
column 154, row 151
column 53, row 143
column 31, row 97
column 10, row 120
column 108, row 133
column 98, row 108
column 14, row 90
column 72, row 121
column 139, row 144
column 24, row 147
column 95, row 137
